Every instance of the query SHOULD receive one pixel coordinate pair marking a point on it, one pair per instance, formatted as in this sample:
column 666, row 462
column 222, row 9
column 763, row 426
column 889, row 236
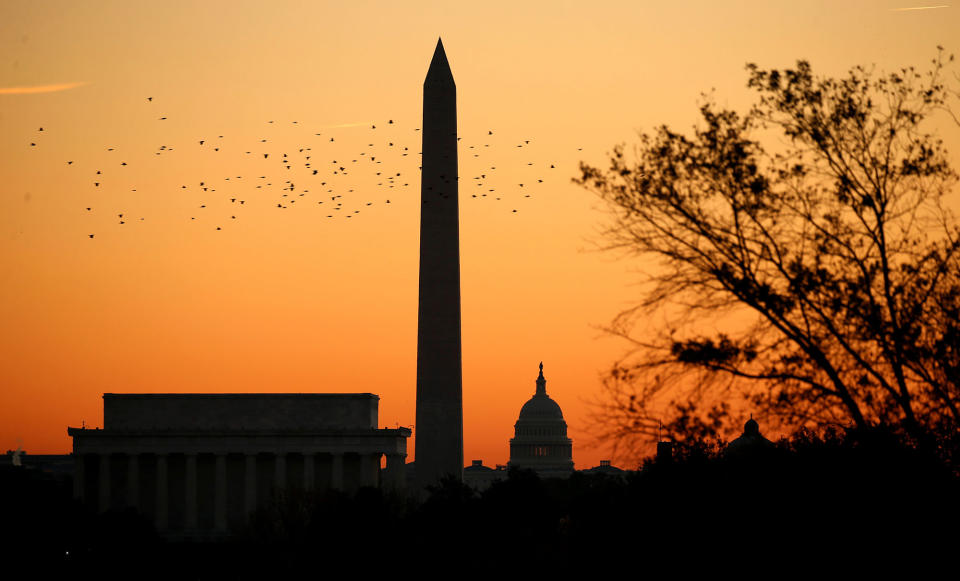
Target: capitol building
column 540, row 441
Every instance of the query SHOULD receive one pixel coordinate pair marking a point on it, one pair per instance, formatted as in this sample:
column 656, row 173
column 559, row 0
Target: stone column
column 190, row 500
column 308, row 472
column 250, row 484
column 396, row 473
column 220, row 493
column 368, row 476
column 104, row 483
column 133, row 480
column 336, row 474
column 162, row 515
column 79, row 476
column 280, row 472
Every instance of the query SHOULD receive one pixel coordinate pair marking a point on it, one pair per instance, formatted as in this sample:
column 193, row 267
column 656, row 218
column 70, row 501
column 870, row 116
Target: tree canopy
column 806, row 261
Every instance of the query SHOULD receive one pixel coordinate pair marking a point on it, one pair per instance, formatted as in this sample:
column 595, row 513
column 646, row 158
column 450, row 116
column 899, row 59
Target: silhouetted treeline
column 862, row 498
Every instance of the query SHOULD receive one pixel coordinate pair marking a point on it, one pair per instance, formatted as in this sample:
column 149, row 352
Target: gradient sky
column 285, row 299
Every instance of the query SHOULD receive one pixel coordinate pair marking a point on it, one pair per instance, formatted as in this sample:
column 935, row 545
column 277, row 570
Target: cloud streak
column 919, row 8
column 40, row 89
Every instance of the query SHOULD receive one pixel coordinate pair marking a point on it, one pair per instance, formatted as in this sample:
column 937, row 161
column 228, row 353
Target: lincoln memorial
column 197, row 465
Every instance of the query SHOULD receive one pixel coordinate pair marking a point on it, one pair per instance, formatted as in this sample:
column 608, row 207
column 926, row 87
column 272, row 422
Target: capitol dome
column 540, row 441
column 750, row 444
column 540, row 407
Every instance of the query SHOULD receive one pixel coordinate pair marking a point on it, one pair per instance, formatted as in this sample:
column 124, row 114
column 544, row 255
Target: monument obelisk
column 439, row 427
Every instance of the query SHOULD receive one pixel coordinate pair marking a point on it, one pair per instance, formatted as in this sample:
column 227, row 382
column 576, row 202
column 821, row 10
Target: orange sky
column 288, row 300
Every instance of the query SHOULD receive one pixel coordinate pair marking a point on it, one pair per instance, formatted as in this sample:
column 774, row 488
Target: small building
column 607, row 469
column 198, row 465
column 480, row 477
column 540, row 441
column 58, row 466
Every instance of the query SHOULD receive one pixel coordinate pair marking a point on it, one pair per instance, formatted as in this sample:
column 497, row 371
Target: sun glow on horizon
column 180, row 226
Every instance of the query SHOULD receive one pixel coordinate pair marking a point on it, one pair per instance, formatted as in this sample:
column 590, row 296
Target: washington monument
column 439, row 427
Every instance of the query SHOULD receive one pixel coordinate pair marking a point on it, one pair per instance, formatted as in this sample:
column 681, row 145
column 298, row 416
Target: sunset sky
column 194, row 292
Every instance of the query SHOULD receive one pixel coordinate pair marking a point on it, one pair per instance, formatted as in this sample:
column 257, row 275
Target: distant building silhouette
column 199, row 464
column 480, row 477
column 750, row 442
column 607, row 469
column 59, row 466
column 540, row 441
column 664, row 452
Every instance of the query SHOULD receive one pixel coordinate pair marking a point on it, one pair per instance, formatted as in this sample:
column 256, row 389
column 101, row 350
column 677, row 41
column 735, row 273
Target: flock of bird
column 321, row 171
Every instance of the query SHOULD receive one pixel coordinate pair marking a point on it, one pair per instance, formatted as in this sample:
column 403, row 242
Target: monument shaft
column 439, row 427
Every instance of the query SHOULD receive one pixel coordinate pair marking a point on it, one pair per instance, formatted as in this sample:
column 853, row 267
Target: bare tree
column 807, row 268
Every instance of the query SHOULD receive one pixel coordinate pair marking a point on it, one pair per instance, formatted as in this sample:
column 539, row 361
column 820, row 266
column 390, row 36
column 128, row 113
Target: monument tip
column 439, row 67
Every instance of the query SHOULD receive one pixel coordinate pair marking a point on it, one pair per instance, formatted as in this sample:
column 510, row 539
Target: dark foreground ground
column 861, row 503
